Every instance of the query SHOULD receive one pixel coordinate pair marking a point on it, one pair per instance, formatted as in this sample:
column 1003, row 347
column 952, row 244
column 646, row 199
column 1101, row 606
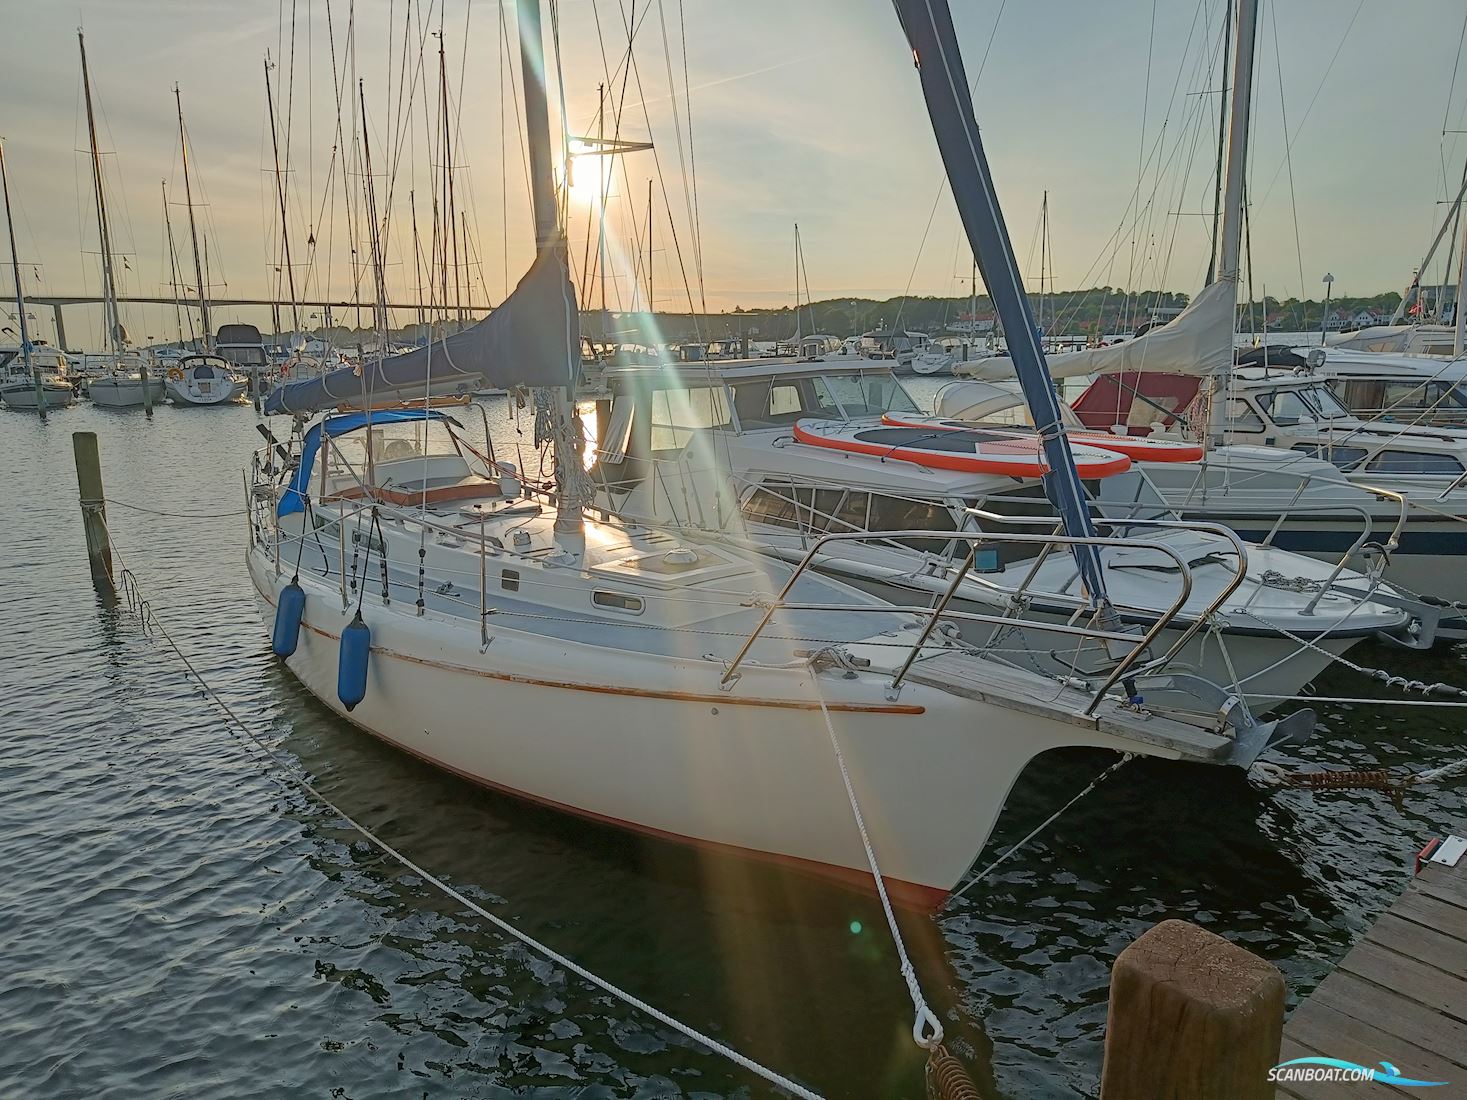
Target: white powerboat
column 780, row 454
column 18, row 386
column 204, row 380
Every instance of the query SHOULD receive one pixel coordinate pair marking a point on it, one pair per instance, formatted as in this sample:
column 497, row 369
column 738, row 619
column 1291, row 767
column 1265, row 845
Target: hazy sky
column 802, row 111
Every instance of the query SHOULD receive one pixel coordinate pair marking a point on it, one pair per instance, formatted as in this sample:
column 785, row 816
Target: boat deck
column 990, row 681
column 1400, row 995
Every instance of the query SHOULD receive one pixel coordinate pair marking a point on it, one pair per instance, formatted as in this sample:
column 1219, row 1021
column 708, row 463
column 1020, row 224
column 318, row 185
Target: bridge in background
column 57, row 303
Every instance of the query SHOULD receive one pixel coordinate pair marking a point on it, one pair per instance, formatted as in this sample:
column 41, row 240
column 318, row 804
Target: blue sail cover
column 532, row 339
column 929, row 28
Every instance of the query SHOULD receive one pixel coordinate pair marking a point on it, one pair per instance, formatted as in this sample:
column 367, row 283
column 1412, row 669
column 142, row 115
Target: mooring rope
column 1380, row 674
column 926, row 1027
column 288, row 775
column 1046, row 823
column 175, row 515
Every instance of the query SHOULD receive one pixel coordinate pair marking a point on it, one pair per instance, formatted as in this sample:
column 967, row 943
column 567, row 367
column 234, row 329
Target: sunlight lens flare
column 589, row 174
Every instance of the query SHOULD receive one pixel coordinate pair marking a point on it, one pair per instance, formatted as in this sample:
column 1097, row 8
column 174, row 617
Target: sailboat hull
column 750, row 770
column 206, row 393
column 23, row 396
column 123, row 393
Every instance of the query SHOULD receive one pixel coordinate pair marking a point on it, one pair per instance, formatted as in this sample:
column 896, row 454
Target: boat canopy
column 532, row 339
column 294, row 497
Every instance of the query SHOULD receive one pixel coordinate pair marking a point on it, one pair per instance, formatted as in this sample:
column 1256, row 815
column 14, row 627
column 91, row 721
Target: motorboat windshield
column 1298, row 404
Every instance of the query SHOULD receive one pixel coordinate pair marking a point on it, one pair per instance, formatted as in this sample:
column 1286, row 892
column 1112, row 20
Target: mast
column 1222, row 132
column 448, row 210
column 929, row 29
column 374, row 234
column 417, row 258
column 295, row 313
column 1228, row 264
column 601, row 184
column 799, row 330
column 1043, row 249
column 973, row 307
column 104, row 232
column 25, row 334
column 193, row 231
column 1242, row 100
column 1459, row 314
column 173, row 270
column 548, row 241
column 650, row 307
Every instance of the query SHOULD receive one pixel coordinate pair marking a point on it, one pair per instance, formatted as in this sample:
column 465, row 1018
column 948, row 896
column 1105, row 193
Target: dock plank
column 1422, row 908
column 1425, row 945
column 1424, row 983
column 1400, row 995
column 1336, row 1035
column 1395, row 1014
column 1453, row 890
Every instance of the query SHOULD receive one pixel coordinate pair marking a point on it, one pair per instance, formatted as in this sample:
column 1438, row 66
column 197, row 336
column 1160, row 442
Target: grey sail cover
column 532, row 339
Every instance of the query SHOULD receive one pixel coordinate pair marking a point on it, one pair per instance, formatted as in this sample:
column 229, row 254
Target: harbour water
column 177, row 922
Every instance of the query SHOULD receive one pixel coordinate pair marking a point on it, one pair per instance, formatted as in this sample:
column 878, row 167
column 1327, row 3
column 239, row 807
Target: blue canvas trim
column 929, row 29
column 294, row 497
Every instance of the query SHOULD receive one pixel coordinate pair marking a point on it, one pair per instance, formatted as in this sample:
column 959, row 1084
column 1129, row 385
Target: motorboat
column 18, row 385
column 778, row 455
column 204, row 380
column 1289, row 467
column 1404, row 389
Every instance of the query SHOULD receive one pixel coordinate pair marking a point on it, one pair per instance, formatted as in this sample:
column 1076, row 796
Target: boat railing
column 810, row 522
column 1138, row 643
column 263, row 519
column 1199, row 620
column 1294, row 508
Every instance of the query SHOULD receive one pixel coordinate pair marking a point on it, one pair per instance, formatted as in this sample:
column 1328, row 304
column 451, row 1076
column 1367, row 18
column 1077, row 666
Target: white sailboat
column 21, row 373
column 1286, row 463
column 31, row 376
column 206, row 378
column 670, row 683
column 125, row 381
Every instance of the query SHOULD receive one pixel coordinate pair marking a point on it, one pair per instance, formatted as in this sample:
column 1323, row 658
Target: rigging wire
column 1289, row 141
column 1273, row 10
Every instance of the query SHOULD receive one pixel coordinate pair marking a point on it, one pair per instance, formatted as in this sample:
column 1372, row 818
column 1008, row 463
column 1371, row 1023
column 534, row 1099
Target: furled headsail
column 1199, row 342
column 532, row 339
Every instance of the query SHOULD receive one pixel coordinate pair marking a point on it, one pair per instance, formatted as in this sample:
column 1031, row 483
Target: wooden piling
column 1191, row 1016
column 147, row 393
column 93, row 507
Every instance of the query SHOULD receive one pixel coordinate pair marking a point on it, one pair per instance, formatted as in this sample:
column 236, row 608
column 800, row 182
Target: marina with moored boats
column 716, row 713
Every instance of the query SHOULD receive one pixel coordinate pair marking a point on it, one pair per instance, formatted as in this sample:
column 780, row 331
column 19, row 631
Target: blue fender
column 351, row 669
column 288, row 613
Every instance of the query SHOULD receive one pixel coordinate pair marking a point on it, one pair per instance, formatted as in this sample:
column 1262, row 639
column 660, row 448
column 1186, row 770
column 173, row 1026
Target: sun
column 589, row 175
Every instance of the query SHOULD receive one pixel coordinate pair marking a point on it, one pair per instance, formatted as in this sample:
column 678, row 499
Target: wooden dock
column 1399, row 996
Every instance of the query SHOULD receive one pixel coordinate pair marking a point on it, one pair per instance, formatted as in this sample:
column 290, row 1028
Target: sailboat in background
column 124, row 381
column 1286, row 464
column 30, row 377
column 203, row 378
